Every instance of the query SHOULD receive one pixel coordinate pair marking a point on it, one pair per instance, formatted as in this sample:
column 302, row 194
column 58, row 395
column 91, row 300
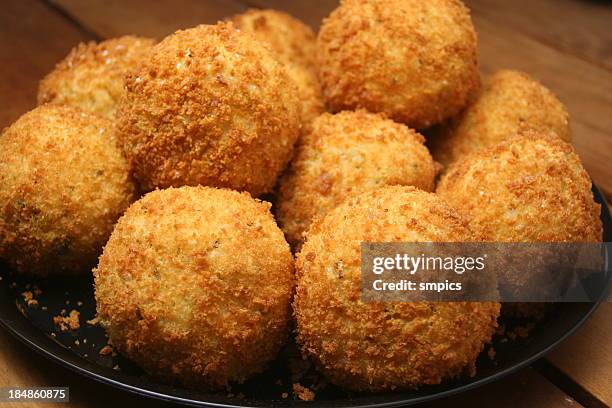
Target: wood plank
column 33, row 39
column 311, row 12
column 527, row 388
column 148, row 18
column 586, row 357
column 22, row 367
column 585, row 89
column 577, row 27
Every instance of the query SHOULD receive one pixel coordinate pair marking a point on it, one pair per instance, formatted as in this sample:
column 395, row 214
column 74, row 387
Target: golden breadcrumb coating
column 294, row 44
column 212, row 106
column 291, row 39
column 380, row 346
column 345, row 154
column 92, row 76
column 509, row 103
column 414, row 60
column 63, row 185
column 528, row 188
column 195, row 286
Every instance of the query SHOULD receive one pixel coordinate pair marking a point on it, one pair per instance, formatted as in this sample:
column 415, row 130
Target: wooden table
column 567, row 44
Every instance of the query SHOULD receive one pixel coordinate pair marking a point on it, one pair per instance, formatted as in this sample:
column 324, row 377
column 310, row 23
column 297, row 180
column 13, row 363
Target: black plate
column 33, row 325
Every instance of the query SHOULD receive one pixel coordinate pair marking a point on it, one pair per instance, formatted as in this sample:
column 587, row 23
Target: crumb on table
column 303, row 393
column 70, row 322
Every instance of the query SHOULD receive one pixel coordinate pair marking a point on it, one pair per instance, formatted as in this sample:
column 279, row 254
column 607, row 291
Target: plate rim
column 37, row 345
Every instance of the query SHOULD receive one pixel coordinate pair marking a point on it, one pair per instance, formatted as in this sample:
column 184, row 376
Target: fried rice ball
column 414, row 60
column 91, row 76
column 528, row 188
column 344, row 154
column 379, row 346
column 291, row 39
column 195, row 286
column 294, row 44
column 212, row 106
column 509, row 103
column 63, row 185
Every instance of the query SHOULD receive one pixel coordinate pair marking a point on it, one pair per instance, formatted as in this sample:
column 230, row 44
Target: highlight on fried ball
column 379, row 346
column 294, row 44
column 91, row 77
column 510, row 103
column 63, row 185
column 345, row 154
column 195, row 285
column 529, row 188
column 414, row 60
column 212, row 106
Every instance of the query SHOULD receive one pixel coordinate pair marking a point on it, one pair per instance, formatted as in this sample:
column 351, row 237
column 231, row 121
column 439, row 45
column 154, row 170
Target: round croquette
column 528, row 188
column 509, row 103
column 195, row 285
column 294, row 44
column 91, row 77
column 291, row 39
column 63, row 185
column 345, row 154
column 379, row 346
column 414, row 60
column 211, row 106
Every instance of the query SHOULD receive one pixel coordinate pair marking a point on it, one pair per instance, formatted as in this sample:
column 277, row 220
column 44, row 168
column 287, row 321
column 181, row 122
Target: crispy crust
column 510, row 103
column 345, row 154
column 529, row 188
column 382, row 346
column 211, row 106
column 63, row 184
column 91, row 76
column 291, row 39
column 294, row 44
column 195, row 285
column 414, row 60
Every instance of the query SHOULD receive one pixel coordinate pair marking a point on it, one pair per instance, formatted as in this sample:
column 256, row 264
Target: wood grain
column 581, row 28
column 33, row 39
column 586, row 357
column 148, row 18
column 566, row 44
column 585, row 89
column 20, row 366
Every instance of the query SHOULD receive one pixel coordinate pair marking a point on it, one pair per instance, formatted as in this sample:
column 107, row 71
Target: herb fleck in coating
column 211, row 106
column 382, row 346
column 63, row 185
column 195, row 285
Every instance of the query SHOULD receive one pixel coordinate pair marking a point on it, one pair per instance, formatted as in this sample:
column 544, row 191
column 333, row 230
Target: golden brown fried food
column 195, row 285
column 509, row 103
column 211, row 106
column 345, row 154
column 529, row 188
column 91, row 77
column 414, row 60
column 381, row 346
column 294, row 44
column 63, row 184
column 292, row 40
